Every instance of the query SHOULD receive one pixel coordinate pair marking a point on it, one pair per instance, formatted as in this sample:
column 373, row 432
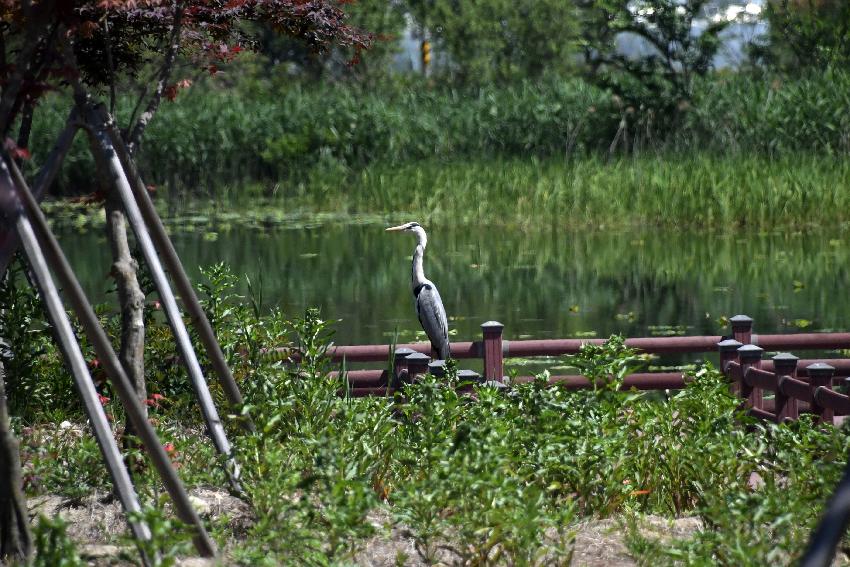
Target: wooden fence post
column 786, row 409
column 742, row 329
column 437, row 368
column 728, row 350
column 468, row 376
column 417, row 365
column 750, row 357
column 820, row 375
column 493, row 361
column 400, row 366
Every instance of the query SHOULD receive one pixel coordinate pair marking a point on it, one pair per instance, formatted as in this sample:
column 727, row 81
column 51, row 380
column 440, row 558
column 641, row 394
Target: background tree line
column 543, row 78
column 489, row 41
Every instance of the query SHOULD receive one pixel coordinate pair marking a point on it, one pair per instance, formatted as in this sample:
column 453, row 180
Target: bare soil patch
column 96, row 523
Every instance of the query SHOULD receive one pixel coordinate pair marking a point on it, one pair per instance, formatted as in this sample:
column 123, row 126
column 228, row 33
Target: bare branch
column 8, row 237
column 135, row 131
column 25, row 65
column 111, row 63
column 26, row 123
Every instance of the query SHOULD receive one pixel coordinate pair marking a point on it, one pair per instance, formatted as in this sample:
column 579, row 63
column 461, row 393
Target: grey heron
column 429, row 306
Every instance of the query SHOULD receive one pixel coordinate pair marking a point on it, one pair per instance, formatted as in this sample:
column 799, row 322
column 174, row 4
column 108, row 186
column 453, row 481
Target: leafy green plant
column 473, row 474
column 607, row 365
column 169, row 540
column 53, row 547
column 33, row 381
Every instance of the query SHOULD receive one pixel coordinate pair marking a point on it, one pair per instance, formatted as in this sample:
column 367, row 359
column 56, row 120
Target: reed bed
column 211, row 139
column 679, row 191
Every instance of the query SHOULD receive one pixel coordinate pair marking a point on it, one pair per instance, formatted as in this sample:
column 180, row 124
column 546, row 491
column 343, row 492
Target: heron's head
column 413, row 227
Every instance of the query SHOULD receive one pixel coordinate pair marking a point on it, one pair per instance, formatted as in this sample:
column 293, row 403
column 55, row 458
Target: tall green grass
column 694, row 191
column 212, row 138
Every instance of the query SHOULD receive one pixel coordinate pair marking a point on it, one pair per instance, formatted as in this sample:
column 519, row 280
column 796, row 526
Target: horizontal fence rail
column 777, row 389
column 560, row 347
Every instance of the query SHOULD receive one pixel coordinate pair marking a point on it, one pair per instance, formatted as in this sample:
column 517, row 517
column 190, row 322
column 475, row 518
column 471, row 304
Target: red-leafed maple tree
column 96, row 50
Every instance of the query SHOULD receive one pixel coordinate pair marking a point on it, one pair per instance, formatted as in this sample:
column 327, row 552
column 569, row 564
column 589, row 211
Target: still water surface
column 543, row 283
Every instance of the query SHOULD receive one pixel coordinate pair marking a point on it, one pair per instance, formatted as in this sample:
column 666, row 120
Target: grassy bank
column 701, row 191
column 501, row 479
column 212, row 138
column 687, row 191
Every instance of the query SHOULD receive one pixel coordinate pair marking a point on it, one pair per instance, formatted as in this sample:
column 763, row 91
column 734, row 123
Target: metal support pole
column 103, row 347
column 74, row 359
column 8, row 237
column 493, row 362
column 169, row 303
column 785, row 364
column 750, row 357
column 181, row 280
column 825, row 538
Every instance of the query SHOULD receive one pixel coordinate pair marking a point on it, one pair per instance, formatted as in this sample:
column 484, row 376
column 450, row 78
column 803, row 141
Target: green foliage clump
column 33, row 380
column 477, row 474
column 805, row 36
column 481, row 43
column 657, row 86
column 53, row 547
column 207, row 142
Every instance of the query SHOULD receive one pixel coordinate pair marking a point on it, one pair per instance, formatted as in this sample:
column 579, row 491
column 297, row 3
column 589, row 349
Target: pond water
column 546, row 283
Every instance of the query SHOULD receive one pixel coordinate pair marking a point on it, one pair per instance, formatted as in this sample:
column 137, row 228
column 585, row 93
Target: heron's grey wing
column 432, row 316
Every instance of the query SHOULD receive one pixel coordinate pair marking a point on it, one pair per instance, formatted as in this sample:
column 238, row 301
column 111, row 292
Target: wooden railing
column 796, row 385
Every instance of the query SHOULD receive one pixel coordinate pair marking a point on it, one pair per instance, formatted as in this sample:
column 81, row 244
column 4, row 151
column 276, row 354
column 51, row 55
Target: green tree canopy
column 497, row 40
column 805, row 34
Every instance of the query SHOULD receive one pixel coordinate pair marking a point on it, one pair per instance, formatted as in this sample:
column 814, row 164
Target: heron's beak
column 394, row 228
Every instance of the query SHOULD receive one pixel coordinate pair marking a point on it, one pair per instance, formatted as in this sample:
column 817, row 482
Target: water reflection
column 540, row 283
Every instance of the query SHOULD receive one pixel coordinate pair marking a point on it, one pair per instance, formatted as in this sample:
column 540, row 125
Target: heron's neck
column 418, row 271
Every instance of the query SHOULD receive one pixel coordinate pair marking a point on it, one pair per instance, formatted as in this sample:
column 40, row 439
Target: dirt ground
column 95, row 521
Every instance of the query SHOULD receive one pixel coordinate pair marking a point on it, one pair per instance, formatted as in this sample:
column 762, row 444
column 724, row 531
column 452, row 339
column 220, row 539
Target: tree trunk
column 130, row 296
column 15, row 539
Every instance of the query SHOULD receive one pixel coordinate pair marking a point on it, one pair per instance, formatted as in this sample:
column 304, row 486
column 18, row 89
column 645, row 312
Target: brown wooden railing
column 796, row 385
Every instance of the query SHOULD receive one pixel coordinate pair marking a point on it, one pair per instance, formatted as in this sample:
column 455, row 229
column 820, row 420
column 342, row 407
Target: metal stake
column 181, row 280
column 56, row 259
column 75, row 361
column 169, row 303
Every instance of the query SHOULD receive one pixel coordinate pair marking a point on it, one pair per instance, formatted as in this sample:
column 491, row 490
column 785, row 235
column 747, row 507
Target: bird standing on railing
column 429, row 306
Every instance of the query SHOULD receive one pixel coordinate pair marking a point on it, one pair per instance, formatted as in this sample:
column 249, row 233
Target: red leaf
column 86, row 29
column 13, row 149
